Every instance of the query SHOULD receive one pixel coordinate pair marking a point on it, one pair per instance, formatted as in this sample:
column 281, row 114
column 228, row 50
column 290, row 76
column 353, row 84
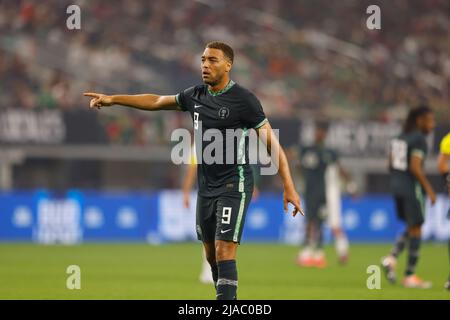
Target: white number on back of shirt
column 399, row 154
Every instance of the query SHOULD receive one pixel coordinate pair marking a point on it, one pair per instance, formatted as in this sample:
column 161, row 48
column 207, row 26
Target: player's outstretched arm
column 274, row 148
column 150, row 102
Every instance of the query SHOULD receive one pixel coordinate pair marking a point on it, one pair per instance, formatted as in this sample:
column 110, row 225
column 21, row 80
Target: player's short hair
column 226, row 49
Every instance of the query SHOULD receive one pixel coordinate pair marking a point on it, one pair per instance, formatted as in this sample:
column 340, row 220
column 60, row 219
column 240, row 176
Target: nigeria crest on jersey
column 224, row 112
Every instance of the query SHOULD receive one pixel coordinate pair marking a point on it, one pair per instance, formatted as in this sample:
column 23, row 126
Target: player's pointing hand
column 99, row 100
column 290, row 195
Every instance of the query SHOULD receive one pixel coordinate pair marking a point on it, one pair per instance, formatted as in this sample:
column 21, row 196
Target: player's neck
column 220, row 86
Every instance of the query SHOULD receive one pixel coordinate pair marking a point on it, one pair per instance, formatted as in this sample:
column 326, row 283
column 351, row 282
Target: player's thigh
column 206, row 219
column 414, row 212
column 230, row 215
column 399, row 202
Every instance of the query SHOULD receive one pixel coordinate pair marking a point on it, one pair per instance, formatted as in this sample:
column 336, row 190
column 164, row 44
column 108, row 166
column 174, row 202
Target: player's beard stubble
column 210, row 81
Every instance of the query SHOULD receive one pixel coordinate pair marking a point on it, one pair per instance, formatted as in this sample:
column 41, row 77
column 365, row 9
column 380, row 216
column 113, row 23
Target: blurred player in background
column 321, row 170
column 408, row 183
column 225, row 190
column 188, row 182
column 443, row 167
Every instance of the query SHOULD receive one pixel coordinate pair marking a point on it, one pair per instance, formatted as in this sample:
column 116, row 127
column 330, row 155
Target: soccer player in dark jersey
column 188, row 183
column 408, row 183
column 225, row 189
column 320, row 167
column 443, row 167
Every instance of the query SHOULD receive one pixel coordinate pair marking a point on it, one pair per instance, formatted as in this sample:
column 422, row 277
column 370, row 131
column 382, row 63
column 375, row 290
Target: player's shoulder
column 195, row 90
column 243, row 92
column 413, row 137
column 418, row 137
column 185, row 98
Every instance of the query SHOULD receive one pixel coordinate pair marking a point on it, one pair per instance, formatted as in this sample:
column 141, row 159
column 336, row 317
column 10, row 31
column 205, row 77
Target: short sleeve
column 184, row 99
column 253, row 115
column 445, row 145
column 419, row 147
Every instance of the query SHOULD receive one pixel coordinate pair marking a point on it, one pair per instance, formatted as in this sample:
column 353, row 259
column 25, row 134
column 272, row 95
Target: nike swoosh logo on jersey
column 224, row 231
column 196, row 106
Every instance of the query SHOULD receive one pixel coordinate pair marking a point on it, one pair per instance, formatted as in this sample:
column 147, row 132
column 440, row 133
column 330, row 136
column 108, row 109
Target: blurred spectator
column 301, row 58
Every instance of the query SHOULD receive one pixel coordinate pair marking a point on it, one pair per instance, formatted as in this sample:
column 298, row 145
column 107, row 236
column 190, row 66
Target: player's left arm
column 265, row 133
column 188, row 183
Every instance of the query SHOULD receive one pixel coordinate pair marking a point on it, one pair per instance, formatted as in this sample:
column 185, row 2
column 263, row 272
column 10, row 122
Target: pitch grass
column 140, row 271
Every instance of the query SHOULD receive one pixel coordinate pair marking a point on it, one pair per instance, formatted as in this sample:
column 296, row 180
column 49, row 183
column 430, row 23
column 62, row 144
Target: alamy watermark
column 227, row 146
column 374, row 280
column 374, row 20
column 73, row 21
column 73, row 281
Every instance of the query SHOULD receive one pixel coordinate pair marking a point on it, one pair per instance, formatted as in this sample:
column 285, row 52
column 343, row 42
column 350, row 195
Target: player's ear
column 228, row 66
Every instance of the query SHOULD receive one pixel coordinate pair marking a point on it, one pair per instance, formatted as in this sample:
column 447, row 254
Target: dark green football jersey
column 402, row 148
column 314, row 161
column 232, row 112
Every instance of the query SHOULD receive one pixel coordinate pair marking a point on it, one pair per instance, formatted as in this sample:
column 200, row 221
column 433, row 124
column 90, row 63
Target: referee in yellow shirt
column 443, row 167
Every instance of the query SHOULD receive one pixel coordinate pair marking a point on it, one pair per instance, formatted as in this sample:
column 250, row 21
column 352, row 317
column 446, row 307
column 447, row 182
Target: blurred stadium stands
column 304, row 59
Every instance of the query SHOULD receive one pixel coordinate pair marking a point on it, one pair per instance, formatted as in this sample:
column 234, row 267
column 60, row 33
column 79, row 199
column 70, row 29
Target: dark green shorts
column 410, row 210
column 222, row 217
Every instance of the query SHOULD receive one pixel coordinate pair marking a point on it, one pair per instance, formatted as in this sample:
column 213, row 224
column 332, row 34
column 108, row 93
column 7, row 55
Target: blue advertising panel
column 119, row 217
column 17, row 216
column 77, row 216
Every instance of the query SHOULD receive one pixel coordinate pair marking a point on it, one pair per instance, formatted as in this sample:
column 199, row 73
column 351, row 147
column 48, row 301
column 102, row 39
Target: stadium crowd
column 301, row 58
